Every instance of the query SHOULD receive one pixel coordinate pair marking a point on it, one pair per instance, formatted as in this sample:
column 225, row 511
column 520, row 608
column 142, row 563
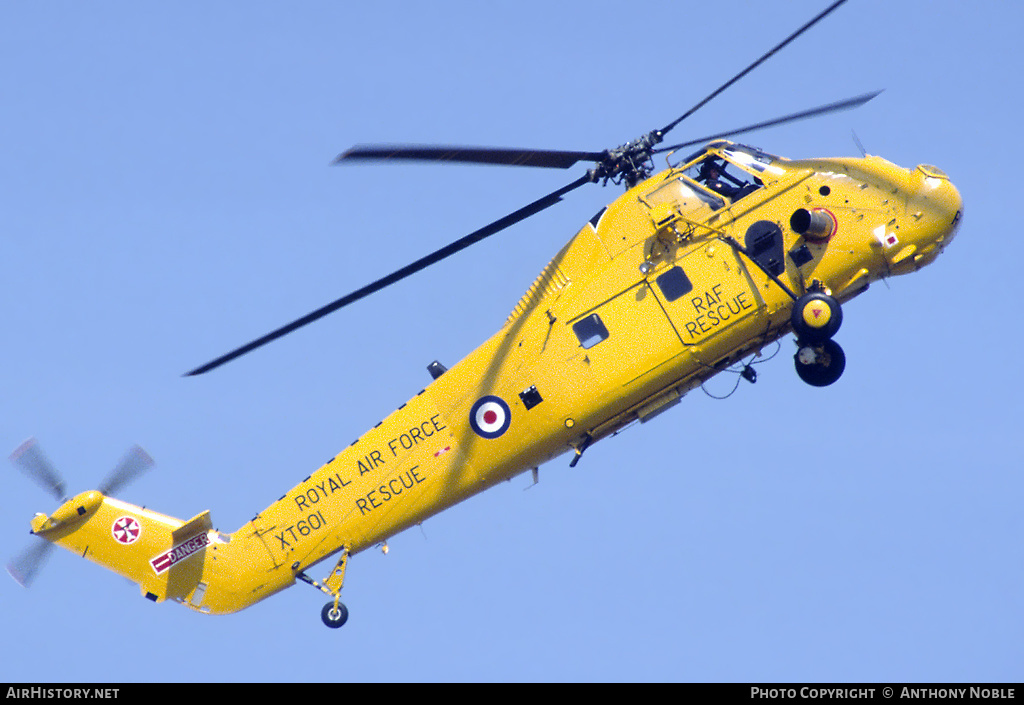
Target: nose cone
column 934, row 211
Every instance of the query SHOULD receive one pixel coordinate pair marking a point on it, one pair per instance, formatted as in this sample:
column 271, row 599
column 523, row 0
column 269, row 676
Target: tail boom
column 168, row 558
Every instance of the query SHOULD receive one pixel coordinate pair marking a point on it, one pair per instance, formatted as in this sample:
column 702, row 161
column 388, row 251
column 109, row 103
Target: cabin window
column 590, row 330
column 674, row 283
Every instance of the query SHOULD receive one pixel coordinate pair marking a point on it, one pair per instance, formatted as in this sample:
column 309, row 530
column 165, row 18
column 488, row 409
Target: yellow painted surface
column 533, row 391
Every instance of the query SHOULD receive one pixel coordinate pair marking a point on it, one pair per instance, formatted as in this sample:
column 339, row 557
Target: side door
column 625, row 338
column 705, row 293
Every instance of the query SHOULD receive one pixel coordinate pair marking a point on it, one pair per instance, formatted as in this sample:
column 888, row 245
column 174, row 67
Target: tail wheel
column 820, row 364
column 333, row 616
column 816, row 317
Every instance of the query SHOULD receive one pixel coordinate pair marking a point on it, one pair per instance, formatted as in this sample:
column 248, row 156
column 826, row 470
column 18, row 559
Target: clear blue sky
column 166, row 196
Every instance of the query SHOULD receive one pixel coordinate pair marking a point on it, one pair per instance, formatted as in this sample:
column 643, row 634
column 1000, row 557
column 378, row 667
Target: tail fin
column 164, row 555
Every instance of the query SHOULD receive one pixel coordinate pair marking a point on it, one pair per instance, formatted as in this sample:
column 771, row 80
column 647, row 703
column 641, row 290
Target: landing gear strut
column 815, row 319
column 334, row 614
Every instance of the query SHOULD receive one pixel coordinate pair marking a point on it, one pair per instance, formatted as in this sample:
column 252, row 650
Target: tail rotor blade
column 29, row 458
column 25, row 566
column 135, row 462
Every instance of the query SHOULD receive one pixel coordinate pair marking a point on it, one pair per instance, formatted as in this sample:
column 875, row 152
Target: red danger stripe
column 179, row 553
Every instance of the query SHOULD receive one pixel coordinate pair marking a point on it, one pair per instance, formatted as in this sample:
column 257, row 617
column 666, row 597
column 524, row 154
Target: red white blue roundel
column 126, row 530
column 490, row 416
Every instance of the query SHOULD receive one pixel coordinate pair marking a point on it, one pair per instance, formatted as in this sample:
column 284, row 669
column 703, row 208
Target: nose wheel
column 820, row 364
column 816, row 317
column 819, row 360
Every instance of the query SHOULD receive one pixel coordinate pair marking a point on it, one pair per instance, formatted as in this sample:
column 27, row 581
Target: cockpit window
column 753, row 159
column 722, row 177
column 709, row 199
column 733, row 172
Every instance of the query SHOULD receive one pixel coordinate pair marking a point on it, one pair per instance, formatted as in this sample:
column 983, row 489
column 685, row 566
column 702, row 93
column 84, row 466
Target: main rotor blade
column 134, row 463
column 847, row 104
column 29, row 458
column 753, row 66
column 422, row 263
column 551, row 159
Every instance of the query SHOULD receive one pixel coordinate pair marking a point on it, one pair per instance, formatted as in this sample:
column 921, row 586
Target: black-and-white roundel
column 490, row 416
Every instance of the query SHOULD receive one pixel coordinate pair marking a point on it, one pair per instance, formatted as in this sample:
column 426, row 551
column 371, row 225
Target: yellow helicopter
column 690, row 272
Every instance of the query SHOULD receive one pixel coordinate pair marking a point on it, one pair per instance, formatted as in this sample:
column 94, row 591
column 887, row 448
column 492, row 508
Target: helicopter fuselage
column 685, row 274
column 668, row 286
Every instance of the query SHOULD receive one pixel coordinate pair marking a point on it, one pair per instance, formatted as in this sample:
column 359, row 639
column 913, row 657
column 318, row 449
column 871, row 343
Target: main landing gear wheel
column 816, row 317
column 820, row 364
column 333, row 616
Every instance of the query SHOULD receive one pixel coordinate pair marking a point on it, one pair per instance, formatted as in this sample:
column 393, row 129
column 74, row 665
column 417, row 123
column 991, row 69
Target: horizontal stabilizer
column 199, row 524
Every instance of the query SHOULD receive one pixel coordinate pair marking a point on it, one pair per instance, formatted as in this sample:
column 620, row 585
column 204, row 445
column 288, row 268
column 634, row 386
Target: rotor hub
column 629, row 163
